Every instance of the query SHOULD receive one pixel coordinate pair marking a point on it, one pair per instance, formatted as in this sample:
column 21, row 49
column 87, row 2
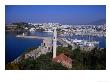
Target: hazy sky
column 64, row 14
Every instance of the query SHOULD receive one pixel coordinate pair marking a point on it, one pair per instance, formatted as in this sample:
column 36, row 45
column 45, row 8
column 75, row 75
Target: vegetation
column 21, row 25
column 86, row 60
column 44, row 62
column 82, row 60
column 92, row 60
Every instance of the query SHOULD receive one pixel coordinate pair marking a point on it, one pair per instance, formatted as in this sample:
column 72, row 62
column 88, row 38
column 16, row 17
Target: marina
column 36, row 38
column 55, row 37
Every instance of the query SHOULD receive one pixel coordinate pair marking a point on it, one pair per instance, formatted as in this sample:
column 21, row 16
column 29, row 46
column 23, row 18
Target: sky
column 64, row 14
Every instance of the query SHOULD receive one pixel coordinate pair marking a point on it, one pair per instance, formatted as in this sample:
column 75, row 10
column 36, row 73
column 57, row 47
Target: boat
column 32, row 30
column 76, row 41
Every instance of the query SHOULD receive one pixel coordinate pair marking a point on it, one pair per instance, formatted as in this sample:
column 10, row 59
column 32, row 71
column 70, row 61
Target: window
column 44, row 44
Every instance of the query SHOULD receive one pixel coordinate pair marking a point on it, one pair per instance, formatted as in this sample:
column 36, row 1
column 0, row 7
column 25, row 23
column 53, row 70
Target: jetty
column 31, row 37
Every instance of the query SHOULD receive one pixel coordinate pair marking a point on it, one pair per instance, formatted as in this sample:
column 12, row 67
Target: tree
column 12, row 66
column 91, row 60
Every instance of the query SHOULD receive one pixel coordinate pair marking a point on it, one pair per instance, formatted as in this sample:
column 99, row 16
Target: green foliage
column 21, row 25
column 66, row 50
column 82, row 60
column 91, row 60
column 44, row 62
column 12, row 66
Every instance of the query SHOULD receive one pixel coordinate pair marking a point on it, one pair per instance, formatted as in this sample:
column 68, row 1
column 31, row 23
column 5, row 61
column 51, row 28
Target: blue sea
column 14, row 47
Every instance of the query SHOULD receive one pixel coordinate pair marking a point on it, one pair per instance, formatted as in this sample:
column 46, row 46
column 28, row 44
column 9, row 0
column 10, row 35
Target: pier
column 31, row 37
column 64, row 43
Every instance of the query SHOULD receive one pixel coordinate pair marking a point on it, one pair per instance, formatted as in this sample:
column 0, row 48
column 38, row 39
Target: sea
column 14, row 46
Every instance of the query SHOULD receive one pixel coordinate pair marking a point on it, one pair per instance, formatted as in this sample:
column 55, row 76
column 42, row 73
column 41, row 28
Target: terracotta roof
column 64, row 60
column 62, row 57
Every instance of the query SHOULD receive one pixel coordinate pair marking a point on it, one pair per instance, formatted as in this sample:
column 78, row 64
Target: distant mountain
column 98, row 22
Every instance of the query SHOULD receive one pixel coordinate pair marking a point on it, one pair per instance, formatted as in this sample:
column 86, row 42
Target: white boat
column 32, row 30
column 76, row 41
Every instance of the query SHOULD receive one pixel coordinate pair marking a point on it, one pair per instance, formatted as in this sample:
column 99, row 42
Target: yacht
column 32, row 30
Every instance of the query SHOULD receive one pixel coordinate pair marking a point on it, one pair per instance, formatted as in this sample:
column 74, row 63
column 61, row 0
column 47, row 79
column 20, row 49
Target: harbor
column 64, row 41
column 46, row 46
column 36, row 39
column 55, row 37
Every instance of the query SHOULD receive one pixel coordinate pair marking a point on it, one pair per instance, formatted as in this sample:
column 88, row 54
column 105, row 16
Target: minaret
column 54, row 42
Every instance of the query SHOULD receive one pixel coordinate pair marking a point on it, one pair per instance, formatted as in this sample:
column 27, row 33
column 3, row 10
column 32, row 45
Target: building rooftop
column 64, row 60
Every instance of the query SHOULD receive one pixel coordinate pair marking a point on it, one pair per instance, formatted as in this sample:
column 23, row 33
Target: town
column 94, row 30
column 60, row 35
